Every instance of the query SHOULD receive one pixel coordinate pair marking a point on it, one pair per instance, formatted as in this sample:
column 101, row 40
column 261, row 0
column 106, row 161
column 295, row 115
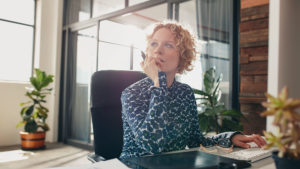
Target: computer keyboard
column 251, row 154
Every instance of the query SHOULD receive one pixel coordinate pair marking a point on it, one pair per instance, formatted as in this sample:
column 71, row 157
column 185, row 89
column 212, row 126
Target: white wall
column 12, row 94
column 284, row 49
column 48, row 49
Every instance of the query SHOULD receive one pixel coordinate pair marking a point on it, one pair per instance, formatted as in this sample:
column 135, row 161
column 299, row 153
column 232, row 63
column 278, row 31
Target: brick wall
column 254, row 16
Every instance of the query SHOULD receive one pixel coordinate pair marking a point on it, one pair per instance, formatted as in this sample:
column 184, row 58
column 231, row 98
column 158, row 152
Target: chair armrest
column 95, row 158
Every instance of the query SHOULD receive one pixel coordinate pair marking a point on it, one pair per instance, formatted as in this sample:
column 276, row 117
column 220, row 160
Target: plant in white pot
column 287, row 121
column 34, row 113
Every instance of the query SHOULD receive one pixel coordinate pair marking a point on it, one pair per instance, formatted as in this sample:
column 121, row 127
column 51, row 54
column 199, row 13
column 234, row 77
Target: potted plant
column 213, row 115
column 287, row 121
column 34, row 113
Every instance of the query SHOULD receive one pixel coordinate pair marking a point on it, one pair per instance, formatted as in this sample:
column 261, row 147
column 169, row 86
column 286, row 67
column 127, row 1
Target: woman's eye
column 168, row 45
column 153, row 44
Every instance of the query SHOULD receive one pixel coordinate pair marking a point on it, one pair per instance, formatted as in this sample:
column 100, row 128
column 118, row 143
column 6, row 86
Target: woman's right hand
column 151, row 66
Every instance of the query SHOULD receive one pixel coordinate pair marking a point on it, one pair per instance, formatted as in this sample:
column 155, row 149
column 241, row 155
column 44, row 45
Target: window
column 122, row 51
column 213, row 25
column 16, row 42
column 187, row 10
column 101, row 7
column 116, row 50
column 85, row 51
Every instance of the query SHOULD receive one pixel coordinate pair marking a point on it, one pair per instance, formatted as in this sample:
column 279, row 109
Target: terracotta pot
column 32, row 141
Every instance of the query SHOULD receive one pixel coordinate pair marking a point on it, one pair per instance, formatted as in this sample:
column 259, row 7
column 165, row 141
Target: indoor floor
column 55, row 155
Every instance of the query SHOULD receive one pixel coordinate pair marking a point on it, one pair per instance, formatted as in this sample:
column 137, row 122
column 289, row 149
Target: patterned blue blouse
column 161, row 119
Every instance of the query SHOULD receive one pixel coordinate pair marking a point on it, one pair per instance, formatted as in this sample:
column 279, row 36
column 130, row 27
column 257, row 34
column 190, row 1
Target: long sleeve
column 148, row 125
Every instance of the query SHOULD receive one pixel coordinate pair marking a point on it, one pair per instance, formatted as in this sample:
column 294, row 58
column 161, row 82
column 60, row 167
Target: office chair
column 106, row 89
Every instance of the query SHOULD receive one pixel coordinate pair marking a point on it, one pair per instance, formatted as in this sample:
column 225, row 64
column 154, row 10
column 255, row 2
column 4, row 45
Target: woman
column 160, row 114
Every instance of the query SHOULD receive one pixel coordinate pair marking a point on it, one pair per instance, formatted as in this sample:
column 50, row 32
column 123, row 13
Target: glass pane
column 143, row 18
column 119, row 33
column 113, row 57
column 137, row 59
column 16, row 51
column 17, row 10
column 214, row 32
column 101, row 7
column 86, row 59
column 86, row 54
column 134, row 2
column 115, row 47
column 123, row 33
column 187, row 17
column 77, row 10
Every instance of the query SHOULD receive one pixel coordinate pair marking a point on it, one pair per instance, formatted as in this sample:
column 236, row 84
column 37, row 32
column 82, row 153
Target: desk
column 267, row 163
column 191, row 158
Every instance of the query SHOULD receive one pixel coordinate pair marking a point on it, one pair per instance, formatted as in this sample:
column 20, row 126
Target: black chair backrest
column 106, row 89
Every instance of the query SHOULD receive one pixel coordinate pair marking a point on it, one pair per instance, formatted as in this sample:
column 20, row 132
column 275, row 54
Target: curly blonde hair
column 185, row 42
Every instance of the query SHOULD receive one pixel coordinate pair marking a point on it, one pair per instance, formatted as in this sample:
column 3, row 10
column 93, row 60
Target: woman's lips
column 159, row 59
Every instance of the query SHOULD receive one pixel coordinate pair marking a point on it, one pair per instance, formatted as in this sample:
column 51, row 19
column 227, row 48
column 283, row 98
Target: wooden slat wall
column 253, row 62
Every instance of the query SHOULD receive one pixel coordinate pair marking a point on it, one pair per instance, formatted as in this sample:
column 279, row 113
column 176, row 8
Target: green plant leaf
column 233, row 113
column 31, row 126
column 23, row 110
column 29, row 95
column 36, row 93
column 209, row 112
column 209, row 80
column 24, row 103
column 201, row 98
column 47, row 80
column 217, row 89
column 204, row 125
column 29, row 110
column 35, row 101
column 44, row 126
column 200, row 92
column 219, row 109
column 230, row 125
column 34, row 83
column 21, row 123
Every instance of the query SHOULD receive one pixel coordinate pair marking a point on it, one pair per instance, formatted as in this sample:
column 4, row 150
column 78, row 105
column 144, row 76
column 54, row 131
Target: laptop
column 185, row 160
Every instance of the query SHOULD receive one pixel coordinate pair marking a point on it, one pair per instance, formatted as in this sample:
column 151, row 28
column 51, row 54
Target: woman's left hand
column 242, row 140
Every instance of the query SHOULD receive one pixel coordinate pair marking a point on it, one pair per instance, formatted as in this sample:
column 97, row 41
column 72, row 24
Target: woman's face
column 162, row 46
